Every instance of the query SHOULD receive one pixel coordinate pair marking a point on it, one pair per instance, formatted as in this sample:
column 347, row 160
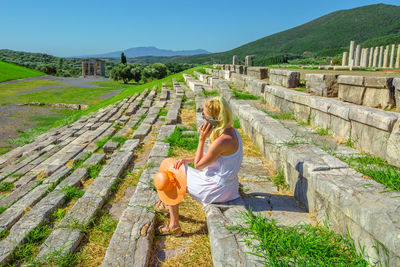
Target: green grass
column 210, row 93
column 94, row 170
column 129, row 90
column 375, row 168
column 280, row 181
column 236, row 123
column 299, row 245
column 58, row 258
column 102, row 142
column 71, row 192
column 163, row 112
column 11, row 89
column 58, row 214
column 26, row 252
column 10, row 71
column 187, row 142
column 322, row 131
column 65, row 94
column 143, row 116
column 244, row 95
column 119, row 139
column 42, row 124
column 279, row 116
column 2, row 209
column 6, row 186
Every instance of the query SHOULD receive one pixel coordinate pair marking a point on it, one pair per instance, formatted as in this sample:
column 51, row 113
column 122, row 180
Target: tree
column 136, row 71
column 126, row 73
column 161, row 70
column 123, row 58
column 148, row 73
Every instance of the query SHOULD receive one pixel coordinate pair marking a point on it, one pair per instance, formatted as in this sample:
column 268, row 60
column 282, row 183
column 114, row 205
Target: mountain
column 328, row 35
column 149, row 51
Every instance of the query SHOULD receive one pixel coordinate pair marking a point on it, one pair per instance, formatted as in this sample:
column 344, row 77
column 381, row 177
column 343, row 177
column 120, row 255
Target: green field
column 10, row 71
column 66, row 117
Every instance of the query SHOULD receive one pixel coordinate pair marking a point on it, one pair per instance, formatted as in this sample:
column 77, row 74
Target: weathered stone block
column 352, row 94
column 286, row 78
column 369, row 139
column 257, row 72
column 379, row 98
column 322, row 84
column 351, row 80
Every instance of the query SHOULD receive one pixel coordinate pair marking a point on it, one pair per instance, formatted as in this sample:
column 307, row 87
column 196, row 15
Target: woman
column 218, row 182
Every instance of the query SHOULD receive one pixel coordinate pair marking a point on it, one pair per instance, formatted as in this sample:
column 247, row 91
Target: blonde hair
column 219, row 109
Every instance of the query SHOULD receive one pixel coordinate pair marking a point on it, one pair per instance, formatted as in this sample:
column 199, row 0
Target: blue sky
column 71, row 28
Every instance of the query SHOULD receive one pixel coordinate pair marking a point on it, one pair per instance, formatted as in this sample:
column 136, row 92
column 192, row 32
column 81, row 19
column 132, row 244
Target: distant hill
column 148, row 51
column 10, row 71
column 328, row 35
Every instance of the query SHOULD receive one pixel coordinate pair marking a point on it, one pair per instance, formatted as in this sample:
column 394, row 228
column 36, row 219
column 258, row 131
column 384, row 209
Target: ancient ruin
column 93, row 67
column 372, row 57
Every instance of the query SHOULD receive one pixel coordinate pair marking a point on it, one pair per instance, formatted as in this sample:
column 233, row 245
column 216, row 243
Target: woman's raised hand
column 179, row 163
column 205, row 131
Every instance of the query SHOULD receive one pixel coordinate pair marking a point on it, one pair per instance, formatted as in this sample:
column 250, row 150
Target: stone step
column 65, row 238
column 134, row 249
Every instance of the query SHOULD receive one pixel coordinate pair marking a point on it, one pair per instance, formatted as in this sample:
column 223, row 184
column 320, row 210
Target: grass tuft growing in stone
column 57, row 258
column 280, row 116
column 102, row 142
column 187, row 141
column 280, row 181
column 210, row 93
column 71, row 192
column 2, row 209
column 94, row 170
column 299, row 245
column 121, row 140
column 322, row 131
column 375, row 168
column 58, row 214
column 163, row 112
column 6, row 186
column 25, row 253
column 244, row 95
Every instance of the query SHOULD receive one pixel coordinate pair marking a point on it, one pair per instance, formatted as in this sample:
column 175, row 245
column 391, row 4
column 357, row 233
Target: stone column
column 345, row 58
column 371, row 56
column 358, row 56
column 375, row 61
column 234, row 60
column 366, row 57
column 248, row 61
column 397, row 65
column 386, row 57
column 362, row 57
column 380, row 62
column 391, row 64
column 83, row 69
column 351, row 53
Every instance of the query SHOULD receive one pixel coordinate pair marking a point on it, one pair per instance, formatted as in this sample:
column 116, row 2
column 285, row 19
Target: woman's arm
column 216, row 148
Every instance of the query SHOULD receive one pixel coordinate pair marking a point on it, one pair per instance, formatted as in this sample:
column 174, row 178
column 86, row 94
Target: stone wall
column 322, row 84
column 371, row 130
column 257, row 72
column 286, row 78
column 325, row 185
column 376, row 92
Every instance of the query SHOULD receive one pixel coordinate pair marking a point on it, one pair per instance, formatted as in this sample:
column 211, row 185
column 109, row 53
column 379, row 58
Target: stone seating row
column 326, row 186
column 371, row 130
column 39, row 194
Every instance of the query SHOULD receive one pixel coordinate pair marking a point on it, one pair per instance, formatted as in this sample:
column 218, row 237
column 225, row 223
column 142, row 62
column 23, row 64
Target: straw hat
column 170, row 182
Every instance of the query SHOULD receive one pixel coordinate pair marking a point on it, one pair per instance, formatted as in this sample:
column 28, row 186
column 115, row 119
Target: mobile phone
column 213, row 122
